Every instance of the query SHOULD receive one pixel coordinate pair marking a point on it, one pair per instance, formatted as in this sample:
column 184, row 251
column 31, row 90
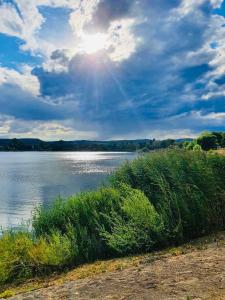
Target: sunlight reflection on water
column 28, row 179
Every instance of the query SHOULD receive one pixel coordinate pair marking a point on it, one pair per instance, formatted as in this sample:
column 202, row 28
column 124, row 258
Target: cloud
column 163, row 76
column 21, row 19
column 48, row 130
column 107, row 11
column 10, row 21
column 19, row 97
column 189, row 6
column 24, row 80
column 80, row 17
column 24, row 112
column 27, row 22
column 162, row 70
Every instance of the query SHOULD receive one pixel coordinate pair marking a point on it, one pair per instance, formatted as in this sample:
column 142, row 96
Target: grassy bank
column 158, row 200
column 204, row 249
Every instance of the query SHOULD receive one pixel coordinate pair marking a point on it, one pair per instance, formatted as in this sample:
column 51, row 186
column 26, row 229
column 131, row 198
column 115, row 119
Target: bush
column 186, row 188
column 138, row 228
column 190, row 145
column 91, row 218
column 197, row 148
column 84, row 215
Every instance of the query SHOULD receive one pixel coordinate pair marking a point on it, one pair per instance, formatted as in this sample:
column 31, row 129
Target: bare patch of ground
column 193, row 271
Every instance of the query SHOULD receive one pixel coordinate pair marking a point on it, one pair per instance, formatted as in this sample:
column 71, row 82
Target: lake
column 29, row 179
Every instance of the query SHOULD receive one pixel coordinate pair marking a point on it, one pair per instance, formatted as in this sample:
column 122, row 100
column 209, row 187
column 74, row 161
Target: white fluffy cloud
column 81, row 15
column 47, row 130
column 10, row 21
column 24, row 20
column 188, row 6
column 122, row 41
column 24, row 79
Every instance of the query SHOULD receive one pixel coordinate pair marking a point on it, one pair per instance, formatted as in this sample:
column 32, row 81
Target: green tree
column 207, row 141
column 222, row 144
column 219, row 136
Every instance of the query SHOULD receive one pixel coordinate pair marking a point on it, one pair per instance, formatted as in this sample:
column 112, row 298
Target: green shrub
column 84, row 215
column 186, row 188
column 91, row 217
column 189, row 145
column 197, row 148
column 138, row 228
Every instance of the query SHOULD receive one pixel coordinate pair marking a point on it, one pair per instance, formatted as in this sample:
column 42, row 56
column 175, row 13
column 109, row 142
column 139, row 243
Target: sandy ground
column 192, row 272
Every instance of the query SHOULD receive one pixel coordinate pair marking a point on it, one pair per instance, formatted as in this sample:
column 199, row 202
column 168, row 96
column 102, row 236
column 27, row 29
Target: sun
column 92, row 43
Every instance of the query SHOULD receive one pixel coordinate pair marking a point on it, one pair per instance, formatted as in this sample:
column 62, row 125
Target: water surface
column 28, row 179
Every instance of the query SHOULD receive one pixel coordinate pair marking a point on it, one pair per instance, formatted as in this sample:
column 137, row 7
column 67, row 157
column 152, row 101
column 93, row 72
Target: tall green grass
column 23, row 256
column 159, row 199
column 186, row 188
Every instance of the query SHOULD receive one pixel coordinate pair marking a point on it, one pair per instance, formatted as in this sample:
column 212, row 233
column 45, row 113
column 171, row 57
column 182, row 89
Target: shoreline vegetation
column 159, row 200
column 142, row 145
column 206, row 141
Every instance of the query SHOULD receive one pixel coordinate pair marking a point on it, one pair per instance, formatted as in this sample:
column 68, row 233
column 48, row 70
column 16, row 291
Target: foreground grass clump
column 22, row 256
column 158, row 200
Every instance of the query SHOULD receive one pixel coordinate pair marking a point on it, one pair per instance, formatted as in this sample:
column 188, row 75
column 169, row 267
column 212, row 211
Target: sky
column 111, row 69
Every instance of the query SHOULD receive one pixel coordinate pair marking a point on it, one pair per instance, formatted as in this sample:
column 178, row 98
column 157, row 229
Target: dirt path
column 192, row 273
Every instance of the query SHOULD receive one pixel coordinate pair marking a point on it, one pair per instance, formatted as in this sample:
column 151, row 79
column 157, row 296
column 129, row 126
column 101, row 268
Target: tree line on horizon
column 120, row 145
column 206, row 141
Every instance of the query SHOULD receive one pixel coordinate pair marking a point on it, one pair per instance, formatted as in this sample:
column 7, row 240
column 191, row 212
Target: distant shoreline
column 143, row 145
column 47, row 151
